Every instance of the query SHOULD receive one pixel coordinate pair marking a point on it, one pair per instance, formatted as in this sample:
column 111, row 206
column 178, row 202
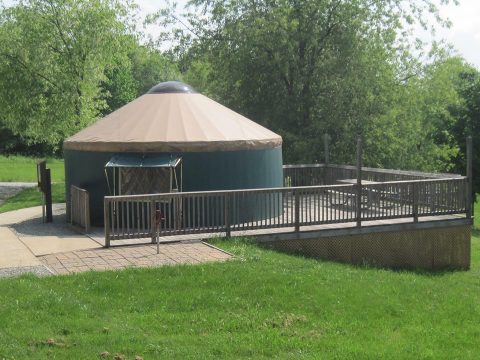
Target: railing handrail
column 78, row 189
column 300, row 166
column 375, row 170
column 259, row 190
column 222, row 192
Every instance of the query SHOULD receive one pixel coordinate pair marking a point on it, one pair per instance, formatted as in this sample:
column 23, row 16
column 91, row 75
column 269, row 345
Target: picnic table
column 372, row 197
column 348, row 197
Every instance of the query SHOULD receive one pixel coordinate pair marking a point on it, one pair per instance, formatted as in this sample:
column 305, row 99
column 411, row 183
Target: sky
column 464, row 34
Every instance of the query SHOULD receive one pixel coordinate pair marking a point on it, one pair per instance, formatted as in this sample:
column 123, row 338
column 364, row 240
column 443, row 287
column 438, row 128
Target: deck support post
column 297, row 210
column 327, row 159
column 469, row 177
column 326, row 151
column 358, row 207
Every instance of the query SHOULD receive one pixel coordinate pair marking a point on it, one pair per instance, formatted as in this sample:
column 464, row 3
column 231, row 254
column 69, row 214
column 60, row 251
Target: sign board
column 44, row 182
column 41, row 169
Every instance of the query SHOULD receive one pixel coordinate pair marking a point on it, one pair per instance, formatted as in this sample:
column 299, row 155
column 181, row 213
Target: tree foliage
column 308, row 67
column 302, row 68
column 65, row 62
column 53, row 56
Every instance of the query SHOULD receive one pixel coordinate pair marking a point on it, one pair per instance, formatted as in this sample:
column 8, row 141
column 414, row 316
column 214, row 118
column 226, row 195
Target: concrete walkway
column 13, row 252
column 29, row 245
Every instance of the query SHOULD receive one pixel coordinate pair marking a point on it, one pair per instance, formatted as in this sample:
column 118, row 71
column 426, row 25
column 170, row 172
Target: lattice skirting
column 434, row 249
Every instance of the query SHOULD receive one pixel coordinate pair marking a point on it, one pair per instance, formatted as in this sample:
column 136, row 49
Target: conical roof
column 173, row 117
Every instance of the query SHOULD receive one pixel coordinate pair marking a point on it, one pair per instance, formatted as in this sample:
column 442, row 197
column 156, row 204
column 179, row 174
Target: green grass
column 263, row 304
column 32, row 197
column 21, row 168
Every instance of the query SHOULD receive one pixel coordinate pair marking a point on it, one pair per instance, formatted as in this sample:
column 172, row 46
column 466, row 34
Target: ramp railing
column 136, row 216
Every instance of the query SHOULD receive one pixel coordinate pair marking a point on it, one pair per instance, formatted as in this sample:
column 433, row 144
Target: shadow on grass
column 365, row 265
column 369, row 265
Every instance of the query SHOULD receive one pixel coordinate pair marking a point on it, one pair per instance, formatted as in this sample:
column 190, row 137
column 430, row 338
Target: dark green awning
column 144, row 160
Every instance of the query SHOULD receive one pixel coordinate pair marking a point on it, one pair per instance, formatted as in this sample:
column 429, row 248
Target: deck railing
column 329, row 174
column 140, row 216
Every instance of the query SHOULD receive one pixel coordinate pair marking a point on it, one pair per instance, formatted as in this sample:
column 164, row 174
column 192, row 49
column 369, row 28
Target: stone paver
column 27, row 245
column 132, row 256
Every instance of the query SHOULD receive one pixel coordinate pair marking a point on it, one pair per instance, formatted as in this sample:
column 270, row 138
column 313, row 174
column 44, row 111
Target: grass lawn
column 32, row 197
column 21, row 168
column 263, row 304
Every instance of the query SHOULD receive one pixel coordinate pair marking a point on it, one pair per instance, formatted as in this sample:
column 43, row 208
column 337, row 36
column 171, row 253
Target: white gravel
column 9, row 189
column 39, row 270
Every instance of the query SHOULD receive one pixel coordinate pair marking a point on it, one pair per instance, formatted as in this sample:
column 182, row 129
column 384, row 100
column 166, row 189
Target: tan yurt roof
column 172, row 117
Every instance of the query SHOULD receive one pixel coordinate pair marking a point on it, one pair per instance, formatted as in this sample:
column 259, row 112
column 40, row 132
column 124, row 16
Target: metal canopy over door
column 136, row 174
column 144, row 174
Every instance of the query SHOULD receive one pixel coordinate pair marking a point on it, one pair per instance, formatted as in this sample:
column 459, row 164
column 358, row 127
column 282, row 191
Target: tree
column 303, row 68
column 140, row 68
column 467, row 115
column 54, row 55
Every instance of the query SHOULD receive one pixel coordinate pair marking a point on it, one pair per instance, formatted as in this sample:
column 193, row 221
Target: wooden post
column 71, row 205
column 325, row 144
column 297, row 210
column 106, row 221
column 227, row 214
column 469, row 177
column 359, row 183
column 415, row 202
column 48, row 196
column 87, row 210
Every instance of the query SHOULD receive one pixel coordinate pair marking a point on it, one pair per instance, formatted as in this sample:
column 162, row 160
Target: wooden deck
column 285, row 210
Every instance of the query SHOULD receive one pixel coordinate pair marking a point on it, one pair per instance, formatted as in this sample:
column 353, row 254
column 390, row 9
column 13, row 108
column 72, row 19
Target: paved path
column 29, row 245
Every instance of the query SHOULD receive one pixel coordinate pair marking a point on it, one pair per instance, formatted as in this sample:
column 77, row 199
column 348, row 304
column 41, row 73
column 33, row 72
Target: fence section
column 137, row 216
column 80, row 207
column 330, row 174
column 400, row 199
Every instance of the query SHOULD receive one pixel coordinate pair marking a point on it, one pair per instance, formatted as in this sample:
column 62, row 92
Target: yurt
column 170, row 139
